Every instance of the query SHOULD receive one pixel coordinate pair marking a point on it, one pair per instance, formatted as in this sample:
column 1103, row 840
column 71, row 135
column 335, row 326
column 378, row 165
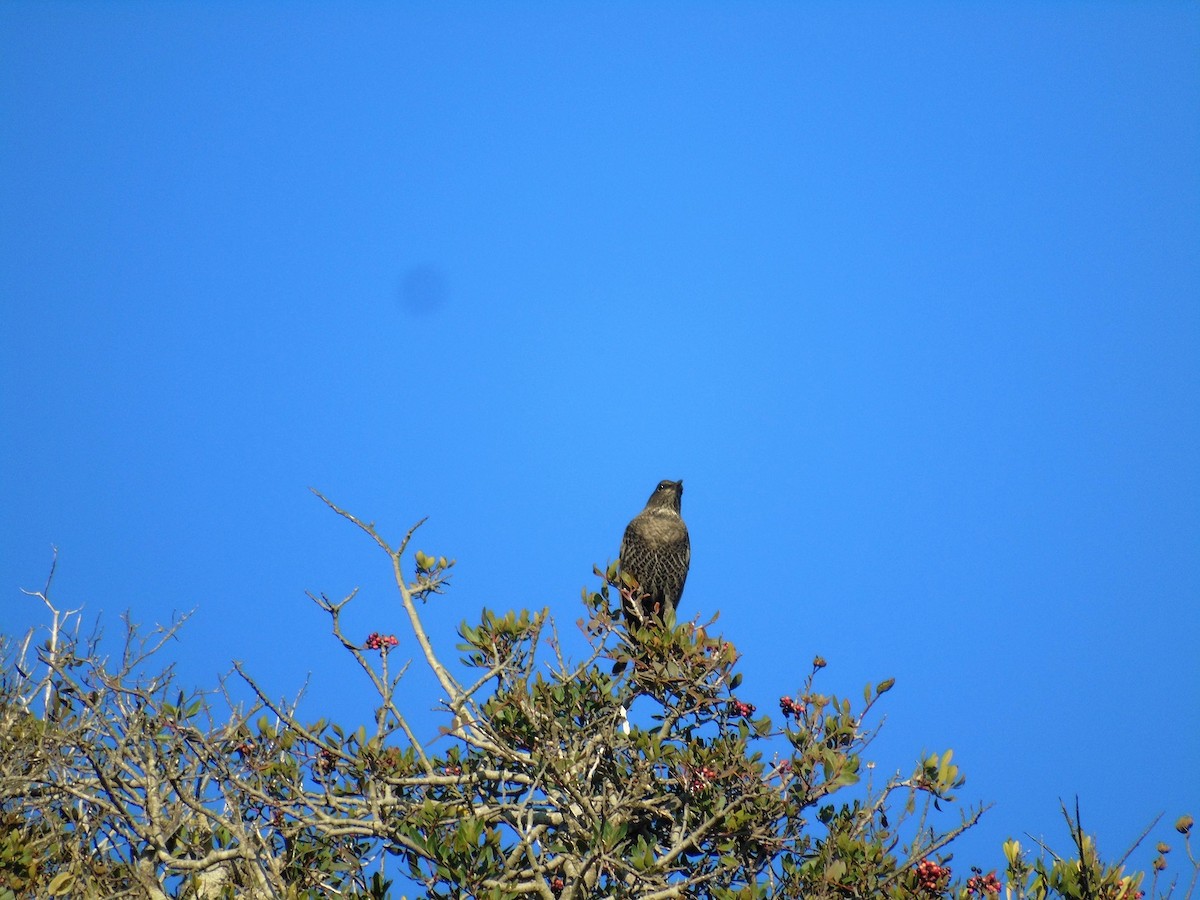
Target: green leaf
column 61, row 884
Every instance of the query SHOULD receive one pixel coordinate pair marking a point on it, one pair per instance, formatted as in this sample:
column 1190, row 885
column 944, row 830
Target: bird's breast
column 664, row 526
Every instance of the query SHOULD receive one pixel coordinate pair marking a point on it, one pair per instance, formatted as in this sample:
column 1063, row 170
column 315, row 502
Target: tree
column 545, row 783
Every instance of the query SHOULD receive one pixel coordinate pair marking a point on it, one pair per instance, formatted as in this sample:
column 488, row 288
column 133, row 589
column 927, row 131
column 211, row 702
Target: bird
column 656, row 551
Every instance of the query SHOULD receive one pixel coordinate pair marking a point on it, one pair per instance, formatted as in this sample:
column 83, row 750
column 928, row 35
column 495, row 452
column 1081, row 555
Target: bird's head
column 668, row 494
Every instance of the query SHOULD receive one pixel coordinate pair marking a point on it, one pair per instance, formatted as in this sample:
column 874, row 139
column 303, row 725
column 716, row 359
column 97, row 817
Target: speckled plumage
column 656, row 552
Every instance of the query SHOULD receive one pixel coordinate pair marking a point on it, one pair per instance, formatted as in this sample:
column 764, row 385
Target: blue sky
column 908, row 295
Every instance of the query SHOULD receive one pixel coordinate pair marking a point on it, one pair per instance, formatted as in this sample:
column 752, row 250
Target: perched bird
column 656, row 552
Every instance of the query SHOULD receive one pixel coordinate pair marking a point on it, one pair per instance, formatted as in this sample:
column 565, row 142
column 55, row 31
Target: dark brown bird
column 656, row 552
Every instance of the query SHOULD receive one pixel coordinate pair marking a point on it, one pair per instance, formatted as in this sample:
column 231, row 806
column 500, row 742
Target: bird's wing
column 633, row 549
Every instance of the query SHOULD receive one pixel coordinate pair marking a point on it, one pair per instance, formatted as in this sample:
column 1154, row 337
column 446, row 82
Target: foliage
column 552, row 778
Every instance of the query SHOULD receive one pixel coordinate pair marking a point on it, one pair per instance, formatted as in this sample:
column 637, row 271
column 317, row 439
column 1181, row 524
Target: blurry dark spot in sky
column 423, row 290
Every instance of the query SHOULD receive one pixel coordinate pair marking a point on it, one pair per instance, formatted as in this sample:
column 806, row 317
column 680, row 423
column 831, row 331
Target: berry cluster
column 377, row 641
column 738, row 708
column 701, row 779
column 983, row 884
column 452, row 770
column 791, row 707
column 390, row 761
column 930, row 875
column 557, row 885
column 326, row 762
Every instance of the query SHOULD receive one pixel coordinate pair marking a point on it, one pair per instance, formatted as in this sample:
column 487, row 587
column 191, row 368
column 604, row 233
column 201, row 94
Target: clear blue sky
column 908, row 295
